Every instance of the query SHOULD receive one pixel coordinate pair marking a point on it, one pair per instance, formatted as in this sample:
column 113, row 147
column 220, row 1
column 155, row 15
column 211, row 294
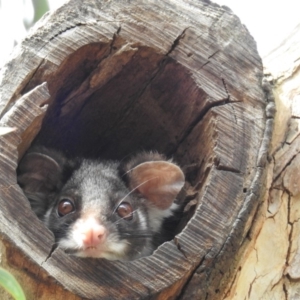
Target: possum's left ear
column 157, row 181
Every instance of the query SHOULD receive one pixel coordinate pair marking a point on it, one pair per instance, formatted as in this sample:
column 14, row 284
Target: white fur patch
column 111, row 247
column 157, row 216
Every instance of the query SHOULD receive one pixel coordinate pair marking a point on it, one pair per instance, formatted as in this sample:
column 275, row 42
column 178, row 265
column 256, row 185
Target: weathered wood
column 180, row 77
column 269, row 261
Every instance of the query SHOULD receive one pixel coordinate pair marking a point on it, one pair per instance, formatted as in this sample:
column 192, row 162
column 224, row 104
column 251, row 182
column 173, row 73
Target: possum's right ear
column 39, row 174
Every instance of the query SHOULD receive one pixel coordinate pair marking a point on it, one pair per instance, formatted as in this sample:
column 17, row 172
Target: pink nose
column 93, row 234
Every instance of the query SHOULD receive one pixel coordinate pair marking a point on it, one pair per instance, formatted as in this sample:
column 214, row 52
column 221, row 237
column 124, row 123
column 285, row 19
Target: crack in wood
column 285, row 291
column 16, row 97
column 226, row 168
column 285, row 167
column 290, row 235
column 206, row 63
column 129, row 105
column 53, row 248
column 112, row 43
column 227, row 293
column 67, row 29
column 212, row 55
column 251, row 210
column 226, row 89
column 159, row 70
column 32, row 75
column 59, row 33
column 177, row 243
column 250, row 286
column 176, row 41
column 197, row 120
column 87, row 80
column 191, row 275
column 275, row 284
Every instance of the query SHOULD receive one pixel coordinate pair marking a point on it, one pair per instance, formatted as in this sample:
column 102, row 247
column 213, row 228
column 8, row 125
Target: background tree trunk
column 106, row 78
column 269, row 264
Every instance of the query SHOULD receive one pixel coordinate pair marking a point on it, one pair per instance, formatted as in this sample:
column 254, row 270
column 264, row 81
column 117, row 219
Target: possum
column 101, row 208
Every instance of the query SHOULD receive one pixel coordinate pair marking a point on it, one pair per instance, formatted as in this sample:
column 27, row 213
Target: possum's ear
column 39, row 174
column 157, row 181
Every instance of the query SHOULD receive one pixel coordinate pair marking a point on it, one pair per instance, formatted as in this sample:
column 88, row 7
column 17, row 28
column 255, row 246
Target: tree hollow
column 107, row 79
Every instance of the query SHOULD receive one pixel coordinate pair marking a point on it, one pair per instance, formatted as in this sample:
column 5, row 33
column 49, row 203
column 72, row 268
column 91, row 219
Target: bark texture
column 269, row 265
column 107, row 78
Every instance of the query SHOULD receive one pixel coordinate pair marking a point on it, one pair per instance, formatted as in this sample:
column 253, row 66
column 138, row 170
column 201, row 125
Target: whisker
column 136, row 234
column 116, row 222
column 131, row 193
column 134, row 168
column 71, row 251
column 128, row 155
column 139, row 252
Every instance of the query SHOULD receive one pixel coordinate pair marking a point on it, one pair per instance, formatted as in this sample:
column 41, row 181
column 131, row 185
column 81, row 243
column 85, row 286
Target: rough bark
column 269, row 264
column 106, row 78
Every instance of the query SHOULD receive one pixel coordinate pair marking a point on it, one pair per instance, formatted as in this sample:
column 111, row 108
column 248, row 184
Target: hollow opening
column 109, row 104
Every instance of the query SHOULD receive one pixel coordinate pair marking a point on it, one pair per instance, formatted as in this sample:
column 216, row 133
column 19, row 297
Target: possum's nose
column 93, row 233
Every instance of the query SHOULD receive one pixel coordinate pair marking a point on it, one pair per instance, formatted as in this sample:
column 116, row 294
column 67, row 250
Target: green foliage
column 11, row 285
column 40, row 8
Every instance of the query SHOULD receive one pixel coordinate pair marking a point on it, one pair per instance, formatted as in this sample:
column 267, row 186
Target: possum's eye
column 65, row 206
column 125, row 211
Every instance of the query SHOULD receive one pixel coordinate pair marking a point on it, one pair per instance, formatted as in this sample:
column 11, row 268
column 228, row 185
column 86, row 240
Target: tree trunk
column 269, row 264
column 107, row 78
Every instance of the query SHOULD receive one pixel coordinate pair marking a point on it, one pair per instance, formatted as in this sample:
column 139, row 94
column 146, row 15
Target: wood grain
column 180, row 77
column 268, row 261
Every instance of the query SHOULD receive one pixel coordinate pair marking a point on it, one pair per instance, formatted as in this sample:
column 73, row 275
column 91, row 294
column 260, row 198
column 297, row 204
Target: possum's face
column 96, row 215
column 101, row 209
